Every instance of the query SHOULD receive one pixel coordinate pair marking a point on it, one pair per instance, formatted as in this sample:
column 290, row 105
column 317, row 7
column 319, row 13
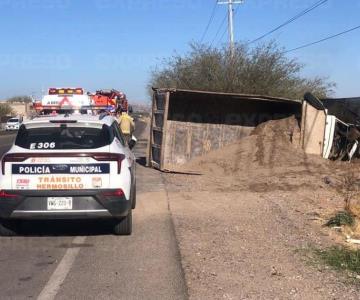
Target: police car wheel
column 124, row 226
column 8, row 228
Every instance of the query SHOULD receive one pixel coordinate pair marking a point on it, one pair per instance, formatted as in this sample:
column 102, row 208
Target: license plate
column 59, row 203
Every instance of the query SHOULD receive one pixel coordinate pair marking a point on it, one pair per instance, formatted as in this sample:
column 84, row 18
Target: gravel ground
column 246, row 222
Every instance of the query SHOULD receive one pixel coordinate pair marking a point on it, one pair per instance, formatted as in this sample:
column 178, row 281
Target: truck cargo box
column 186, row 123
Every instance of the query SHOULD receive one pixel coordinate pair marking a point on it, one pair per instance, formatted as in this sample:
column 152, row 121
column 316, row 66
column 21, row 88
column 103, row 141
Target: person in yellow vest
column 127, row 125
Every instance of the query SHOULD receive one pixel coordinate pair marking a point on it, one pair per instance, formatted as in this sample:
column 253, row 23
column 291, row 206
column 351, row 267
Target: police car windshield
column 63, row 137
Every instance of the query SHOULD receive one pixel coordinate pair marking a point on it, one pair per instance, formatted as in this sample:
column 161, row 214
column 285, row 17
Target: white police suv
column 68, row 167
column 13, row 124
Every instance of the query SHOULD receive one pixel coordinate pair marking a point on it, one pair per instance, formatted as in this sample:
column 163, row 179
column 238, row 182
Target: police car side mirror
column 132, row 144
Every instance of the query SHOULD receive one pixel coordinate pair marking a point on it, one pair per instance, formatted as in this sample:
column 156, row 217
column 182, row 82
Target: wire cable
column 217, row 33
column 222, row 36
column 323, row 40
column 209, row 23
column 299, row 15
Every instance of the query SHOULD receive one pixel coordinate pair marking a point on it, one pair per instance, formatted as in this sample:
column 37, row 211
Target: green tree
column 264, row 70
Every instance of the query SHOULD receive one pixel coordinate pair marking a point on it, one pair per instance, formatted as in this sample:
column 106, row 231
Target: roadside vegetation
column 349, row 218
column 5, row 109
column 348, row 221
column 341, row 258
column 264, row 70
column 342, row 218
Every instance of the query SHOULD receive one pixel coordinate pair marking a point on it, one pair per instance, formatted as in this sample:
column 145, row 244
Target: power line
column 222, row 36
column 323, row 40
column 299, row 15
column 217, row 33
column 209, row 23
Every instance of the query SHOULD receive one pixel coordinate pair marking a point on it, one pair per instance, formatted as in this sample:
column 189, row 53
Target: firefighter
column 127, row 125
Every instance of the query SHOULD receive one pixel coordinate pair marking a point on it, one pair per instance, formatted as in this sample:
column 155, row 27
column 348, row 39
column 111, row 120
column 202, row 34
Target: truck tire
column 309, row 97
column 124, row 226
column 8, row 228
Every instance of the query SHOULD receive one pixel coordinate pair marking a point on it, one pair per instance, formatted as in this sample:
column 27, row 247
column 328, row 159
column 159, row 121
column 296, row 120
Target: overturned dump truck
column 187, row 123
column 331, row 127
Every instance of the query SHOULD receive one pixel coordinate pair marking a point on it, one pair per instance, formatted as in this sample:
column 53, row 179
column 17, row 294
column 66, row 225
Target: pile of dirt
column 269, row 159
column 273, row 144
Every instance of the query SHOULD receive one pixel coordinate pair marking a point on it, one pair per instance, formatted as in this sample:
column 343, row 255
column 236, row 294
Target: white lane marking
column 53, row 286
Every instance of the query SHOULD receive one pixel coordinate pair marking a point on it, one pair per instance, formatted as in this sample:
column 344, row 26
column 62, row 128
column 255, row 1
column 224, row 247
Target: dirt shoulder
column 243, row 222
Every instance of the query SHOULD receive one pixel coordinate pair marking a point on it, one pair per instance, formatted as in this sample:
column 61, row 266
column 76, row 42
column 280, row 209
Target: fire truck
column 109, row 99
column 61, row 100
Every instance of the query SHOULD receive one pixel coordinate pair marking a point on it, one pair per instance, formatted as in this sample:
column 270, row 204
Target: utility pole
column 230, row 4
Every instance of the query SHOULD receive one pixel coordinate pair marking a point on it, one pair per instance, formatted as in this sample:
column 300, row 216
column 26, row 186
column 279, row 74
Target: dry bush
column 263, row 70
column 5, row 109
column 349, row 189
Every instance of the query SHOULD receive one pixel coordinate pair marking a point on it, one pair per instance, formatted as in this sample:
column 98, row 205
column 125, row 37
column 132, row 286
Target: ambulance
column 63, row 100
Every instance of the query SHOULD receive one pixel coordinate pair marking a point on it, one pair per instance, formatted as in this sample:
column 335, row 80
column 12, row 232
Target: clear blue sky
column 114, row 43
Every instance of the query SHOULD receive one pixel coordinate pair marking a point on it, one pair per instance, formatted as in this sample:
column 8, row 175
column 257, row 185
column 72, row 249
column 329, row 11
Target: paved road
column 83, row 260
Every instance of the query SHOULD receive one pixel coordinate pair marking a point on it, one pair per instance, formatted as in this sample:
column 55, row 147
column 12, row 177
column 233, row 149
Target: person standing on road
column 127, row 125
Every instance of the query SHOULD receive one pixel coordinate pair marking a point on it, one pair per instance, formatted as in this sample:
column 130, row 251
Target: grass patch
column 342, row 218
column 341, row 258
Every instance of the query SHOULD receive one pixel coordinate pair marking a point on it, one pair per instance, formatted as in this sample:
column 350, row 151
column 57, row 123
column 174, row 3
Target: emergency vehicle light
column 66, row 91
